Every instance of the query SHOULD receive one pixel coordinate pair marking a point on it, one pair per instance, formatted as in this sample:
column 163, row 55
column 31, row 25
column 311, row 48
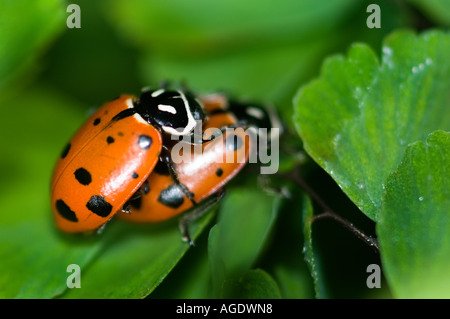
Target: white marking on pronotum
column 255, row 112
column 167, row 108
column 157, row 92
column 130, row 105
column 191, row 121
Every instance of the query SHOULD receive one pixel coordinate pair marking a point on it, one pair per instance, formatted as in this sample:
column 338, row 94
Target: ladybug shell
column 203, row 174
column 103, row 165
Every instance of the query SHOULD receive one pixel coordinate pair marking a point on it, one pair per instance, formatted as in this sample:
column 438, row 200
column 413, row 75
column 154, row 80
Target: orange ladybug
column 204, row 172
column 208, row 168
column 111, row 156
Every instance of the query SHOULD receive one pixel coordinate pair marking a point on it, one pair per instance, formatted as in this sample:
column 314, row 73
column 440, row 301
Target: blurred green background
column 52, row 76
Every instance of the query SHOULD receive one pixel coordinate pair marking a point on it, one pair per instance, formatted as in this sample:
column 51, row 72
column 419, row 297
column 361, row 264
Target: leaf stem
column 328, row 212
column 372, row 242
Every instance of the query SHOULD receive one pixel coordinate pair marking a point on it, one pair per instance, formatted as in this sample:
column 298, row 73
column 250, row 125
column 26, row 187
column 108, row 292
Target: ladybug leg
column 197, row 212
column 166, row 158
column 144, row 189
column 126, row 208
column 223, row 129
column 266, row 185
column 164, row 85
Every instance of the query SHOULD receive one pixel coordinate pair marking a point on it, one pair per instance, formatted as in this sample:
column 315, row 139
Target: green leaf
column 237, row 72
column 414, row 226
column 311, row 257
column 254, row 284
column 35, row 259
column 190, row 279
column 135, row 260
column 357, row 119
column 199, row 27
column 437, row 10
column 283, row 258
column 26, row 28
column 81, row 62
column 228, row 44
column 237, row 240
column 34, row 255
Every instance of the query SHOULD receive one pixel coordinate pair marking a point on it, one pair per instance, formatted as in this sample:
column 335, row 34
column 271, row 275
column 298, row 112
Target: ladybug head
column 258, row 117
column 174, row 112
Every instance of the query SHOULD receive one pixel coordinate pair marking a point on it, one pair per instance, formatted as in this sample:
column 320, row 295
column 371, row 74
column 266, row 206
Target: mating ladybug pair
column 121, row 160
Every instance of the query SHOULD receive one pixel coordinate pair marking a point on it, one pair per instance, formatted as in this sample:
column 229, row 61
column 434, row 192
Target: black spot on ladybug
column 144, row 142
column 83, row 176
column 233, row 142
column 161, row 169
column 66, row 150
column 65, row 211
column 136, row 203
column 172, row 196
column 219, row 172
column 96, row 121
column 134, row 175
column 145, row 188
column 99, row 206
column 109, row 140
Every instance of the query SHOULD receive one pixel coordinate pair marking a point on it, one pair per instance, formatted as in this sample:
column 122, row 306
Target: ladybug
column 204, row 173
column 250, row 115
column 108, row 160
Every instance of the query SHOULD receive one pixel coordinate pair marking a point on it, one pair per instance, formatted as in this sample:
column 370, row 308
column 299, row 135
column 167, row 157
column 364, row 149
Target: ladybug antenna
column 164, row 85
